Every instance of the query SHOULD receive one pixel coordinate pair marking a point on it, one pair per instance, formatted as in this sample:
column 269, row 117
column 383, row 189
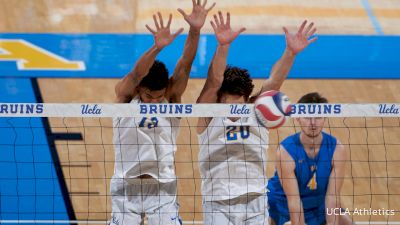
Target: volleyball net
column 56, row 160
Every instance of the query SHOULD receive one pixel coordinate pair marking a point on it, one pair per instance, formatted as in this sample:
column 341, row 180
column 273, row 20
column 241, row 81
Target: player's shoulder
column 330, row 140
column 284, row 155
column 291, row 140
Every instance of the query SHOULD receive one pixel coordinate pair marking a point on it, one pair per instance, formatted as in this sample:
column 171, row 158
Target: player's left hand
column 299, row 41
column 199, row 13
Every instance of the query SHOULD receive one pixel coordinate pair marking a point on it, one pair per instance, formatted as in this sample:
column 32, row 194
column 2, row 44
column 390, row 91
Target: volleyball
column 271, row 108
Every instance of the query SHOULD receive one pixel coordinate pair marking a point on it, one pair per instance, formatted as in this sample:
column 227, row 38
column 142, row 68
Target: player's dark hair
column 157, row 78
column 237, row 81
column 313, row 97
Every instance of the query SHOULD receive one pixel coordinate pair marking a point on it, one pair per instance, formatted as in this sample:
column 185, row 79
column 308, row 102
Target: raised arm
column 295, row 43
column 285, row 168
column 180, row 77
column 225, row 36
column 332, row 199
column 126, row 88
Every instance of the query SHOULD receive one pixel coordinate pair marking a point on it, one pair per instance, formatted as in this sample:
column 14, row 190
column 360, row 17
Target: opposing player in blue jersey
column 309, row 175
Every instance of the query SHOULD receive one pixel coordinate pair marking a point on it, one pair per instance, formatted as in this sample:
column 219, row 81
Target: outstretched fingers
column 177, row 33
column 312, row 40
column 241, row 30
column 217, row 22
column 312, row 32
column 308, row 29
column 285, row 30
column 156, row 22
column 149, row 29
column 300, row 31
column 169, row 20
column 213, row 26
column 161, row 19
column 211, row 7
column 182, row 12
column 221, row 18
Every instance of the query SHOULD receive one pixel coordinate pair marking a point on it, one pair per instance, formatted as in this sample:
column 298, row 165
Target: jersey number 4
column 232, row 132
column 312, row 184
column 149, row 122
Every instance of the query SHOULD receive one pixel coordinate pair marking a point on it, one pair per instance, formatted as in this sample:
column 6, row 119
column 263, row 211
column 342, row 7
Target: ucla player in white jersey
column 232, row 154
column 144, row 181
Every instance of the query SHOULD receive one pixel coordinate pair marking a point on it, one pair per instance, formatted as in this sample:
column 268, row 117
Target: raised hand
column 162, row 34
column 299, row 41
column 199, row 13
column 223, row 31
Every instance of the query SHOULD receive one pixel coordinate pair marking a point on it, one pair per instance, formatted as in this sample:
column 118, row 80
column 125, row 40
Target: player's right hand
column 162, row 34
column 223, row 31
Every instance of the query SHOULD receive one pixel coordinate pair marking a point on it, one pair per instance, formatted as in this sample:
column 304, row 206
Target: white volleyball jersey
column 233, row 158
column 145, row 146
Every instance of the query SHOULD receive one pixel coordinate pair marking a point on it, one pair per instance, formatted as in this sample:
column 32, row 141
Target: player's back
column 312, row 173
column 232, row 158
column 145, row 146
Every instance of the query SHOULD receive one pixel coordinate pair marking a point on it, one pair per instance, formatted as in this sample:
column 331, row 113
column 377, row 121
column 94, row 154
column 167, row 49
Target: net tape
column 190, row 110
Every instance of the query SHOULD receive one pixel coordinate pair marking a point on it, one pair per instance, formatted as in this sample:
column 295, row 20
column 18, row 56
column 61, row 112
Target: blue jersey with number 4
column 312, row 173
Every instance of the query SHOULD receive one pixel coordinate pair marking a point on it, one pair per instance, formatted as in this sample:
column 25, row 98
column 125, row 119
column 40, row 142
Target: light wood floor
column 371, row 180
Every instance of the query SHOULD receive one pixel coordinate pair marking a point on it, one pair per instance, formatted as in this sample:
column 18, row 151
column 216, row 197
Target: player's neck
column 311, row 144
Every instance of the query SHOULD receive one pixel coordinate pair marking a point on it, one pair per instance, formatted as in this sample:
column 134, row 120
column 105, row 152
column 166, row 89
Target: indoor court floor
column 85, row 151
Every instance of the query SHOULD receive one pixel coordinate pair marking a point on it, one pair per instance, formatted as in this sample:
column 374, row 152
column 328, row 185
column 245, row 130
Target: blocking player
column 309, row 175
column 232, row 156
column 144, row 181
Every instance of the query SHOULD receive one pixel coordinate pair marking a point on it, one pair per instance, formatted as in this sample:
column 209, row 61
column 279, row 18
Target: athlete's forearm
column 215, row 75
column 296, row 210
column 218, row 66
column 190, row 50
column 181, row 74
column 145, row 62
column 279, row 72
column 126, row 87
column 332, row 204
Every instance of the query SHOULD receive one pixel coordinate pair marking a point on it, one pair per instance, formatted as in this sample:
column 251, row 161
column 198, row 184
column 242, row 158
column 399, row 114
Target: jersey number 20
column 232, row 132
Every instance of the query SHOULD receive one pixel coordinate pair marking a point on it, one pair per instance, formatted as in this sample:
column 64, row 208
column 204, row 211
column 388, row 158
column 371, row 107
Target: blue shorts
column 279, row 212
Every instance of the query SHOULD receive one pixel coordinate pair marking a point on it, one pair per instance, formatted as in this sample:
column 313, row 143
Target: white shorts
column 243, row 210
column 130, row 202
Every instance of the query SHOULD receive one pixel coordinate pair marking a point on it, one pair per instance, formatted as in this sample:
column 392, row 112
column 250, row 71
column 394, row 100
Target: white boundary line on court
column 184, row 222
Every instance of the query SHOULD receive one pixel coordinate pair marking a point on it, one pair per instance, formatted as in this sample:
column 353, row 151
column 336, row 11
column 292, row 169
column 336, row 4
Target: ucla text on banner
column 190, row 110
